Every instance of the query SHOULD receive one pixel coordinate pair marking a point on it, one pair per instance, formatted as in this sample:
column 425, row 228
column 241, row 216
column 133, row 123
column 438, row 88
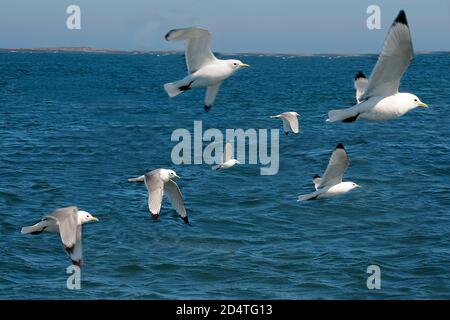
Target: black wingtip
column 316, row 176
column 207, row 108
column 340, row 146
column 401, row 18
column 360, row 75
column 185, row 219
column 168, row 35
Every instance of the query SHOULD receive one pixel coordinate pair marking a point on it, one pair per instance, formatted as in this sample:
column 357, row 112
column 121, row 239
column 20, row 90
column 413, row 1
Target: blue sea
column 75, row 126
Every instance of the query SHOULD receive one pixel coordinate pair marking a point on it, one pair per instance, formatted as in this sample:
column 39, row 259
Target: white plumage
column 158, row 181
column 67, row 222
column 204, row 69
column 380, row 99
column 331, row 184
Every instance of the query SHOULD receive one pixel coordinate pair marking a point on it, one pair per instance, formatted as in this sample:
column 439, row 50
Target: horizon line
column 89, row 49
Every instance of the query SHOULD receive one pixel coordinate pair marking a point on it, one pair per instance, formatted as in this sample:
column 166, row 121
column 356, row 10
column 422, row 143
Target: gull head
column 413, row 101
column 84, row 217
column 348, row 186
column 236, row 64
column 167, row 174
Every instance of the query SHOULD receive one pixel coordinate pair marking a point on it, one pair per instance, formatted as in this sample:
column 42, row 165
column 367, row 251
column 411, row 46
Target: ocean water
column 74, row 127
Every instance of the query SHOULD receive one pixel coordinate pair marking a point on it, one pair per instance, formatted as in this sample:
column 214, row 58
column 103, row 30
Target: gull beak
column 177, row 176
column 422, row 105
column 95, row 219
column 244, row 65
column 358, row 186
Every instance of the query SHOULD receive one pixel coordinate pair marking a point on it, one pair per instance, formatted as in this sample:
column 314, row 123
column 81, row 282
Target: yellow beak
column 177, row 176
column 244, row 65
column 94, row 219
column 422, row 105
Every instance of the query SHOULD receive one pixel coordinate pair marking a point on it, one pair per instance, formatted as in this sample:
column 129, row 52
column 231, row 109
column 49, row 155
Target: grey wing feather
column 228, row 152
column 198, row 46
column 76, row 254
column 290, row 122
column 393, row 61
column 211, row 93
column 67, row 220
column 155, row 187
column 336, row 168
column 176, row 199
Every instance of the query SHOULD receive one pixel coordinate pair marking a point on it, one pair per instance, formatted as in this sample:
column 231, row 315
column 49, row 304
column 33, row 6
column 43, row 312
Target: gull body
column 379, row 98
column 331, row 184
column 67, row 222
column 158, row 181
column 204, row 69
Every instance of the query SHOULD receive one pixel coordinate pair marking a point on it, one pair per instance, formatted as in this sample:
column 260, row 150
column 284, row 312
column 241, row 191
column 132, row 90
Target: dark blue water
column 74, row 127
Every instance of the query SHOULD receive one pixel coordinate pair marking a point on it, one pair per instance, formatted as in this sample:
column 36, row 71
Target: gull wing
column 227, row 152
column 211, row 93
column 155, row 187
column 393, row 61
column 290, row 122
column 67, row 221
column 198, row 46
column 336, row 167
column 176, row 199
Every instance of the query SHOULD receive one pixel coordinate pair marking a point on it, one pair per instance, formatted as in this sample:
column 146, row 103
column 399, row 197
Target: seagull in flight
column 204, row 69
column 379, row 98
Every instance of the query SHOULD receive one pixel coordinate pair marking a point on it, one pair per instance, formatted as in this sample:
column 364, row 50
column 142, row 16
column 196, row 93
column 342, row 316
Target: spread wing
column 155, row 187
column 393, row 61
column 67, row 220
column 336, row 167
column 227, row 152
column 76, row 254
column 175, row 197
column 198, row 46
column 290, row 121
column 211, row 93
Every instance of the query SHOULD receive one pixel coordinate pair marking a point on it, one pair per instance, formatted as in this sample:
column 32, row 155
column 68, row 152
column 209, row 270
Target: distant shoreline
column 114, row 51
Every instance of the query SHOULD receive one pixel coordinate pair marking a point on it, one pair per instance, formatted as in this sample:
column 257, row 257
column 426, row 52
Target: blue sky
column 287, row 26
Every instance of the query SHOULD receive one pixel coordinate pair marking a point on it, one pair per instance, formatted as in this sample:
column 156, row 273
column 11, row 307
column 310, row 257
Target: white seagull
column 156, row 182
column 290, row 121
column 67, row 222
column 331, row 185
column 227, row 160
column 381, row 99
column 205, row 70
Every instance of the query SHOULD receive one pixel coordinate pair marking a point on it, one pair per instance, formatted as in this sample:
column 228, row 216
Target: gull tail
column 138, row 179
column 309, row 196
column 344, row 115
column 35, row 229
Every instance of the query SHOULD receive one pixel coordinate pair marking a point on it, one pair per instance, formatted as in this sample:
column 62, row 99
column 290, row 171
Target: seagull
column 331, row 185
column 67, row 222
column 290, row 121
column 204, row 69
column 227, row 160
column 156, row 182
column 381, row 99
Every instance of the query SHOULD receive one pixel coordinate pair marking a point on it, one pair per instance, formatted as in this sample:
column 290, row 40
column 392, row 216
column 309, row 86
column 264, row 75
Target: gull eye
column 415, row 100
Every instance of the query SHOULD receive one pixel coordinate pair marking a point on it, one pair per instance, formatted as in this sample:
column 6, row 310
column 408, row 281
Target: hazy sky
column 237, row 25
